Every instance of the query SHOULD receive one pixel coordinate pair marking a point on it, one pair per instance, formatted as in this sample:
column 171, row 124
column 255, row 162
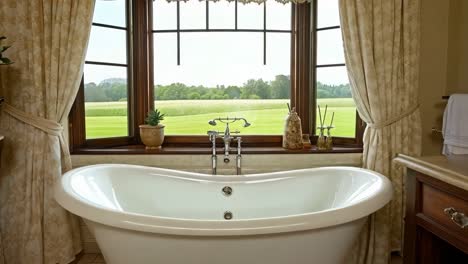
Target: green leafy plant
column 154, row 117
column 4, row 60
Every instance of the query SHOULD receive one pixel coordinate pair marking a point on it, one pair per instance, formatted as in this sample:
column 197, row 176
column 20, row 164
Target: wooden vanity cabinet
column 431, row 236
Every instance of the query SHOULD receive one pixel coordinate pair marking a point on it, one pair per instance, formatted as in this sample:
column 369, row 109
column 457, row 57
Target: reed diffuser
column 325, row 142
column 321, row 140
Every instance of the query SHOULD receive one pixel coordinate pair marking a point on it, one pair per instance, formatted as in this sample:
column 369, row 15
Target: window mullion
column 235, row 15
column 302, row 94
column 264, row 33
column 141, row 68
column 178, row 33
column 207, row 13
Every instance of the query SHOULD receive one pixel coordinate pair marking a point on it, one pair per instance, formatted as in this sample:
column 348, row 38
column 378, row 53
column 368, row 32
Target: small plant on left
column 4, row 60
column 154, row 117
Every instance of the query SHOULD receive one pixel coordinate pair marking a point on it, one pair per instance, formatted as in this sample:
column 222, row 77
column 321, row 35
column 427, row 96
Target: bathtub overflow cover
column 227, row 190
column 227, row 215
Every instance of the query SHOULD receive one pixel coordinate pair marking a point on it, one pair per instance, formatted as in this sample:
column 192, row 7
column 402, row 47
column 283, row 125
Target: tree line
column 115, row 89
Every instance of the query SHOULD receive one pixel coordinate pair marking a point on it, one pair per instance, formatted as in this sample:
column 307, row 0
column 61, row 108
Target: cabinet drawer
column 433, row 204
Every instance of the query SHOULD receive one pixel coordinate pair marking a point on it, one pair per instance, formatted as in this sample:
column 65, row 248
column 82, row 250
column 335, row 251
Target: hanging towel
column 455, row 127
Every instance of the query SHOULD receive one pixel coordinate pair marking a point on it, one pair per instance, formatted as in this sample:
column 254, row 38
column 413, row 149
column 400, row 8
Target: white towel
column 455, row 127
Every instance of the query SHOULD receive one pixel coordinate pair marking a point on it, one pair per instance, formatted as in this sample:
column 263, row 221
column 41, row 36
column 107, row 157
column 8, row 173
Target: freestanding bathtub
column 143, row 215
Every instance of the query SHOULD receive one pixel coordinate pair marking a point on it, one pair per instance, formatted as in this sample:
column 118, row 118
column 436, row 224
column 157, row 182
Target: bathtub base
column 326, row 246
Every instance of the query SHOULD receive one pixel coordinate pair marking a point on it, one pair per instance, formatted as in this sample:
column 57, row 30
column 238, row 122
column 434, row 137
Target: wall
column 202, row 163
column 444, row 63
column 457, row 63
column 433, row 69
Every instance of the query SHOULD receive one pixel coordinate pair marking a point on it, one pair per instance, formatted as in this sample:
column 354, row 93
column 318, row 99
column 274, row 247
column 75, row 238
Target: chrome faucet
column 239, row 156
column 227, row 139
column 214, row 159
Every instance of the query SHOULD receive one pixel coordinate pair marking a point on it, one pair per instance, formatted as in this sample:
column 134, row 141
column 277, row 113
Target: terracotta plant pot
column 152, row 136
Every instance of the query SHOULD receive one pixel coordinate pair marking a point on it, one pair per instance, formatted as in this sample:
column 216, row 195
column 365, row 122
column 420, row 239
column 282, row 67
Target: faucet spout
column 227, row 148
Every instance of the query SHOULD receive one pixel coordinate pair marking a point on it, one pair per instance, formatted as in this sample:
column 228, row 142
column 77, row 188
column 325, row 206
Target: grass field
column 190, row 117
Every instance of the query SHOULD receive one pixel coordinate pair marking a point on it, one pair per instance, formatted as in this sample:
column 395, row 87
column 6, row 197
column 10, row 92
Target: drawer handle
column 458, row 218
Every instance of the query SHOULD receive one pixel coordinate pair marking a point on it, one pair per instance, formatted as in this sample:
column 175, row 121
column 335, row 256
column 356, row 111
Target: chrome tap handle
column 212, row 133
column 214, row 163
column 239, row 145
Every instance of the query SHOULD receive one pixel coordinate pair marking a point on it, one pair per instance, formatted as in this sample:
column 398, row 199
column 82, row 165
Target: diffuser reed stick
column 320, row 116
column 325, row 114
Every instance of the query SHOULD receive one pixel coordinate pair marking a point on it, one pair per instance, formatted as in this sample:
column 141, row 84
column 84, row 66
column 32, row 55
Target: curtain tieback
column 393, row 120
column 46, row 125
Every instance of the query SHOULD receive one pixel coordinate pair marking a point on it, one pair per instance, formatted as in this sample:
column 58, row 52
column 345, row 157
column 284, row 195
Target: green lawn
column 190, row 117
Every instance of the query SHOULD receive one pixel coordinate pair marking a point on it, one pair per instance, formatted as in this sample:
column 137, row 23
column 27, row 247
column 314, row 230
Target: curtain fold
column 49, row 45
column 381, row 43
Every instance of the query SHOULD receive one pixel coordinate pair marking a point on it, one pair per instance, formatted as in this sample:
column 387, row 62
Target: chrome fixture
column 228, row 120
column 239, row 156
column 214, row 159
column 227, row 139
column 227, row 215
column 227, row 191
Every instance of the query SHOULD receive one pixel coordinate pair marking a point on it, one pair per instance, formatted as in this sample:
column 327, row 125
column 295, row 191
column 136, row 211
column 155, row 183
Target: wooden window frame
column 141, row 89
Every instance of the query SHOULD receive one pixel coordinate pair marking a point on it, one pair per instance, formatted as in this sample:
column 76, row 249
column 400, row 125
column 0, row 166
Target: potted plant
column 4, row 60
column 152, row 133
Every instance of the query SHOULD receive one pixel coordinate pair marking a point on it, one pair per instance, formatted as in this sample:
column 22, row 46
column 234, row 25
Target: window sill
column 172, row 150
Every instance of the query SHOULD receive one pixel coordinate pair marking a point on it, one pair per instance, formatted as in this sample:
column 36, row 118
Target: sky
column 214, row 58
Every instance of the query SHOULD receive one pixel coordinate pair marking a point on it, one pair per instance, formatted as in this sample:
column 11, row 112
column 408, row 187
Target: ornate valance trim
column 250, row 1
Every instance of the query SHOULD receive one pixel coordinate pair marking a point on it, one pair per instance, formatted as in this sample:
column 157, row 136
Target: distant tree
column 94, row 93
column 233, row 92
column 194, row 96
column 115, row 89
column 258, row 87
column 322, row 93
column 281, row 87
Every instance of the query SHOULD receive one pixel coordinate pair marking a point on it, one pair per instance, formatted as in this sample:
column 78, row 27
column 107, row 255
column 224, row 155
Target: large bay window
column 198, row 60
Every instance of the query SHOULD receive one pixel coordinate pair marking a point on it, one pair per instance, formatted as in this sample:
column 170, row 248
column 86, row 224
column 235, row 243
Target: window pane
column 222, row 15
column 330, row 47
column 110, row 12
column 222, row 74
column 107, row 45
column 105, row 101
column 327, row 13
column 333, row 90
column 193, row 15
column 278, row 15
column 164, row 15
column 278, row 47
column 250, row 16
column 165, row 54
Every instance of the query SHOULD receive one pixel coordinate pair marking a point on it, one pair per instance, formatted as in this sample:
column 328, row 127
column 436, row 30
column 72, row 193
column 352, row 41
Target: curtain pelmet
column 247, row 1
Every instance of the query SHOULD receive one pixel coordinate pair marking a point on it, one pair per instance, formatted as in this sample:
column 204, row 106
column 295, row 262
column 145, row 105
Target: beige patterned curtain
column 381, row 41
column 49, row 43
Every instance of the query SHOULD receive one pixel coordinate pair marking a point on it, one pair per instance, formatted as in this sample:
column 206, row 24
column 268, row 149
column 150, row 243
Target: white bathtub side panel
column 201, row 163
column 325, row 246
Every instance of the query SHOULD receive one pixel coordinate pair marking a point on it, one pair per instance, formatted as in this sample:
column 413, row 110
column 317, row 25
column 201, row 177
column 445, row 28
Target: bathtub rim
column 72, row 202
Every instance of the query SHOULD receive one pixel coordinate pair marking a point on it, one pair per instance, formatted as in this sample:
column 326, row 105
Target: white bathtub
column 143, row 215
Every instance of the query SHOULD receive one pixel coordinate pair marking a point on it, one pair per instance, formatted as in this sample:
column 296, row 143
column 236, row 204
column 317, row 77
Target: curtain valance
column 249, row 1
